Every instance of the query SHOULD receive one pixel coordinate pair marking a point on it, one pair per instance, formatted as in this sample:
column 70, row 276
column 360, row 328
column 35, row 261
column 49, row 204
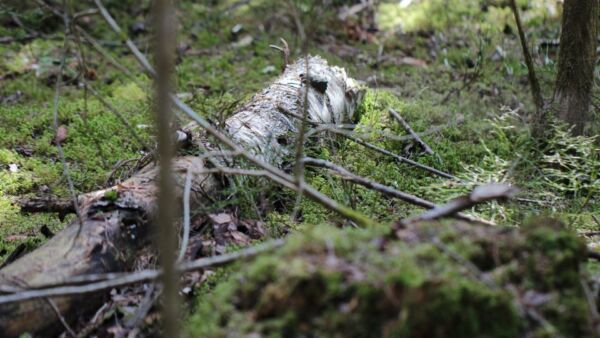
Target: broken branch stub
column 115, row 227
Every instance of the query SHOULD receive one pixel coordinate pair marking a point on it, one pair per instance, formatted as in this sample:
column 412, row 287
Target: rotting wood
column 114, row 229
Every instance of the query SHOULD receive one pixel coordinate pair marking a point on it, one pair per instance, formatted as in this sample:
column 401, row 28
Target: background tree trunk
column 577, row 58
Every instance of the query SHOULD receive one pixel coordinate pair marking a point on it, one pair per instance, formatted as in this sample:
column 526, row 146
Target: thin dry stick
column 384, row 189
column 109, row 281
column 83, row 72
column 186, row 214
column 61, row 153
column 274, row 173
column 146, row 305
column 406, row 126
column 536, row 92
column 299, row 165
column 403, row 159
column 340, row 129
column 104, row 53
column 294, row 13
column 480, row 194
column 379, row 134
column 589, row 296
column 164, row 51
column 95, row 44
column 381, row 150
column 123, row 36
column 62, row 320
column 118, row 114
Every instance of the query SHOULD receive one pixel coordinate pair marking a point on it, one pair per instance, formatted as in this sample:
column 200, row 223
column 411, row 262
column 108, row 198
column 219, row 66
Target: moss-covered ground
column 441, row 280
column 452, row 69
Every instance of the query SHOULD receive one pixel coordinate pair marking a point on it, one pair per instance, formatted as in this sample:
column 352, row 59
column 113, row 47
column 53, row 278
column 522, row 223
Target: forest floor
column 454, row 74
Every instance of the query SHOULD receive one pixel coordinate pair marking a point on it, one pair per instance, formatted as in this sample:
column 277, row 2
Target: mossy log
column 436, row 279
column 114, row 227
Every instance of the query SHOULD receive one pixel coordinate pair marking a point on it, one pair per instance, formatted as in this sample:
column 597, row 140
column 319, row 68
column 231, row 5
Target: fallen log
column 116, row 222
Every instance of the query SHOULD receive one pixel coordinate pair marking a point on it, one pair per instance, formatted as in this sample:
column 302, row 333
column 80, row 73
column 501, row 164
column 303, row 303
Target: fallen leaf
column 61, row 135
column 410, row 61
column 15, row 238
column 245, row 41
column 492, row 191
column 220, row 218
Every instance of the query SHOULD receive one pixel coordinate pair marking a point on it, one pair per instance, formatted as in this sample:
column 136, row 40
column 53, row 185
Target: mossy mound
column 438, row 280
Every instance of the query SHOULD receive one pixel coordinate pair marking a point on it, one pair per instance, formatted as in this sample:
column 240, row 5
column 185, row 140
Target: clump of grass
column 571, row 164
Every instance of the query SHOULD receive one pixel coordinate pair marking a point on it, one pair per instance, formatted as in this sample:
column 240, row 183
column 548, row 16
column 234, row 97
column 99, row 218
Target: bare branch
column 60, row 317
column 61, row 153
column 299, row 165
column 383, row 151
column 536, row 92
column 120, row 116
column 406, row 126
column 384, row 189
column 186, row 214
column 109, row 281
column 480, row 194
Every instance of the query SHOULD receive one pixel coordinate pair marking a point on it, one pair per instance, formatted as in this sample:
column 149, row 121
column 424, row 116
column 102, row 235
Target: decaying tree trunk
column 115, row 229
column 577, row 59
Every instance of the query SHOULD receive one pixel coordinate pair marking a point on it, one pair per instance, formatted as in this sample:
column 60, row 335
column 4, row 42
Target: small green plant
column 111, row 195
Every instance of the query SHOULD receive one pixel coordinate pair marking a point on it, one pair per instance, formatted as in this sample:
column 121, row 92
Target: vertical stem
column 533, row 82
column 299, row 166
column 166, row 237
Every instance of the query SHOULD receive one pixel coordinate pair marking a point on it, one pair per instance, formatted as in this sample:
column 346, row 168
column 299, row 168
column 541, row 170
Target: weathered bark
column 114, row 230
column 577, row 58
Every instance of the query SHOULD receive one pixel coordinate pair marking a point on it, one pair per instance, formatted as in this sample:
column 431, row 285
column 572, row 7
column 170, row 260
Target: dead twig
column 536, row 92
column 119, row 116
column 186, row 215
column 285, row 50
column 83, row 73
column 480, row 194
column 403, row 159
column 299, row 165
column 61, row 153
column 62, row 320
column 384, row 189
column 382, row 150
column 123, row 36
column 112, row 280
column 589, row 297
column 407, row 127
column 295, row 15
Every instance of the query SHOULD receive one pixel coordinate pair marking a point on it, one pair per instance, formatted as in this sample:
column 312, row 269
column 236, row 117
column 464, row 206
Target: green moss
column 436, row 14
column 111, row 195
column 96, row 141
column 329, row 283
